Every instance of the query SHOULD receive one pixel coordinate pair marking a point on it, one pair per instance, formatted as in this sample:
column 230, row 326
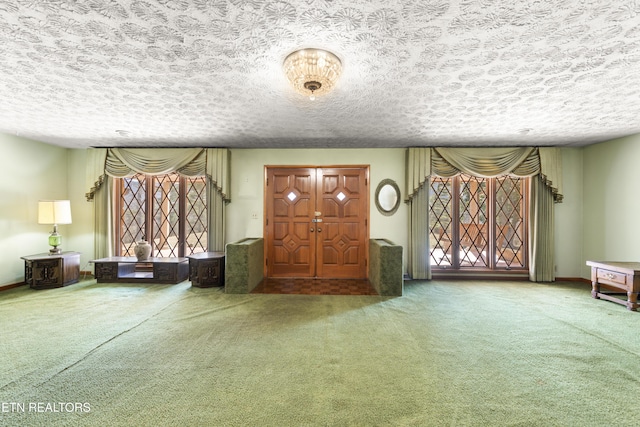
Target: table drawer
column 612, row 276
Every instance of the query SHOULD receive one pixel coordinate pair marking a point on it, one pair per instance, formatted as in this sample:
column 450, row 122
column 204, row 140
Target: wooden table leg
column 595, row 286
column 632, row 301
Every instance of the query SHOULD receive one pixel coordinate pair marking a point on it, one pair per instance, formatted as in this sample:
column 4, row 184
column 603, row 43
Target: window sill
column 475, row 274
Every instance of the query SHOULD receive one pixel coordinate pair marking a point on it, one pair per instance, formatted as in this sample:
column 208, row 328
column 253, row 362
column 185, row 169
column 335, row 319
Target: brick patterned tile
column 315, row 287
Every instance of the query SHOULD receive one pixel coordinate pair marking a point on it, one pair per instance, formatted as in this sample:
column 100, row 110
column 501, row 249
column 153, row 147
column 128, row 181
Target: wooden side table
column 46, row 271
column 206, row 269
column 623, row 276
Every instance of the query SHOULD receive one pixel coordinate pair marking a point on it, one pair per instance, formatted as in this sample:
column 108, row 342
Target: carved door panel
column 290, row 206
column 342, row 240
column 316, row 222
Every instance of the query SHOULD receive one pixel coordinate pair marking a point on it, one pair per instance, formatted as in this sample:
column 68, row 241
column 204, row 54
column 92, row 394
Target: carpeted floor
column 445, row 354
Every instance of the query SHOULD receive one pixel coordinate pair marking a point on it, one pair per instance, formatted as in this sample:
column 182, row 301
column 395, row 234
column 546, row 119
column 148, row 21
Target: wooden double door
column 316, row 222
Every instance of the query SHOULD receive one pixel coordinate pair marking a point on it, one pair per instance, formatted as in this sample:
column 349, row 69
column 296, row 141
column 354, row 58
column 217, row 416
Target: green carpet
column 464, row 353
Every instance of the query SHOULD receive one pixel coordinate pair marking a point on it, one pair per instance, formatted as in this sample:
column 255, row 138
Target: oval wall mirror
column 387, row 197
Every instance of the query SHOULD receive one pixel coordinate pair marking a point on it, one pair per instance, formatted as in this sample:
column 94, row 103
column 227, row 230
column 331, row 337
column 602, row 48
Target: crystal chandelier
column 312, row 72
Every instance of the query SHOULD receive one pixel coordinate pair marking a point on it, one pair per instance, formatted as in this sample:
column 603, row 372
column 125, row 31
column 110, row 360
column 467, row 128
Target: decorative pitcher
column 142, row 250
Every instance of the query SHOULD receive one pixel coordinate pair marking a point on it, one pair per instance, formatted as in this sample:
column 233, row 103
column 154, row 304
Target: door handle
column 312, row 230
column 319, row 229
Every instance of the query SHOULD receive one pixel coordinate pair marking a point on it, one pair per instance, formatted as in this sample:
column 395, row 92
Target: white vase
column 142, row 250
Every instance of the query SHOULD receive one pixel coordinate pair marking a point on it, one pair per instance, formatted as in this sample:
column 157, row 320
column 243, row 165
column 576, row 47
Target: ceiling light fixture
column 312, row 72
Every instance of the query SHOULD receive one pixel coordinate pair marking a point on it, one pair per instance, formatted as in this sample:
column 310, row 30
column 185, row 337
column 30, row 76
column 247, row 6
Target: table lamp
column 54, row 212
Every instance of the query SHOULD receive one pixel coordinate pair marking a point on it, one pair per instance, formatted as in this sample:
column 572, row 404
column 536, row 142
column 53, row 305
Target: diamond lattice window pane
column 341, row 196
column 440, row 219
column 132, row 214
column 166, row 211
column 196, row 216
column 291, row 196
column 509, row 223
column 474, row 231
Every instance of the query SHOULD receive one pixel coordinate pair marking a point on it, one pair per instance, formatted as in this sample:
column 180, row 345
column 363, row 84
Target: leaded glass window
column 478, row 222
column 169, row 211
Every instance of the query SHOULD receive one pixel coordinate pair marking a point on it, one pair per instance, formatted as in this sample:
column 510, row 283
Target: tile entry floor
column 315, row 287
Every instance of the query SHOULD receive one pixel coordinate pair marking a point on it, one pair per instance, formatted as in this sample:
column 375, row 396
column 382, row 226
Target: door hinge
column 266, row 261
column 267, row 221
column 366, row 222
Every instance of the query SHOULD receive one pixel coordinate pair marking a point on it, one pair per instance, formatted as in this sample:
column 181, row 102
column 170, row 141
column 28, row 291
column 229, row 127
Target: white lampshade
column 54, row 212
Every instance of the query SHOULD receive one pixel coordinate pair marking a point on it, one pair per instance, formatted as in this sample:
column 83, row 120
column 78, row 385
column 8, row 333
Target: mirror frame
column 395, row 207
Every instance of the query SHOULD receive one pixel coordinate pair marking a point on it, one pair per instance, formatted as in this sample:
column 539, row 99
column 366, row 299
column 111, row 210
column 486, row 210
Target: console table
column 46, row 271
column 623, row 276
column 130, row 270
column 206, row 269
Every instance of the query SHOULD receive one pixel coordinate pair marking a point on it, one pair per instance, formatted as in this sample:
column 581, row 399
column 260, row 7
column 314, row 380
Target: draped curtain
column 542, row 163
column 418, row 171
column 104, row 164
column 541, row 235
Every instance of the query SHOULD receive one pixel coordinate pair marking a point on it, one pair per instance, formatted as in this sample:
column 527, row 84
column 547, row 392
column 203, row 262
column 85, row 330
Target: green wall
column 611, row 177
column 81, row 233
column 31, row 171
column 568, row 217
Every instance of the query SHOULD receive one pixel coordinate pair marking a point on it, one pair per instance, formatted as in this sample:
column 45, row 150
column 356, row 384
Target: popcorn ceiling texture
column 416, row 72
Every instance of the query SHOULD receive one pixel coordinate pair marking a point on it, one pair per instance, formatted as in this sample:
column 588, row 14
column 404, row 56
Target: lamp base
column 55, row 239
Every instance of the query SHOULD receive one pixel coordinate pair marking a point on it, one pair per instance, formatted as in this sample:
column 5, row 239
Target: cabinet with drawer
column 618, row 276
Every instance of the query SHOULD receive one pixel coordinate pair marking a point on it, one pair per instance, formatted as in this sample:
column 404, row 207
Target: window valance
column 123, row 162
column 446, row 162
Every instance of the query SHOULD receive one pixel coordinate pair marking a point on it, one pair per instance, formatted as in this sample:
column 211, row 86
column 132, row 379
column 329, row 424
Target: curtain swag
column 95, row 176
column 123, row 162
column 446, row 162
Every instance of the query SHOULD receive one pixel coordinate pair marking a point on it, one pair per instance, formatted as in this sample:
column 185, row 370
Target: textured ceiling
column 416, row 72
